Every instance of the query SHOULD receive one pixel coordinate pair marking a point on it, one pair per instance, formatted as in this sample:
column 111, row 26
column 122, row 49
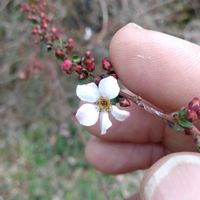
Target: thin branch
column 140, row 103
column 154, row 7
column 104, row 10
column 192, row 130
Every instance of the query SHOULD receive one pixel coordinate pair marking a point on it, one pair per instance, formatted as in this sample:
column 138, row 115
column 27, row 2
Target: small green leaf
column 76, row 59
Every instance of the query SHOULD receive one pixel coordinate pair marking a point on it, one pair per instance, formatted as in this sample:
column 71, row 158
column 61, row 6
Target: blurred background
column 41, row 145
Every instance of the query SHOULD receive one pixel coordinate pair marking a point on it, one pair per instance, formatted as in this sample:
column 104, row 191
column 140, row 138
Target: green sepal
column 182, row 121
column 178, row 128
column 114, row 101
column 182, row 115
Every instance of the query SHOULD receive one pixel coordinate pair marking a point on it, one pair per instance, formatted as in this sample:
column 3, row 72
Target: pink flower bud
column 106, row 64
column 42, row 15
column 35, row 31
column 54, row 30
column 79, row 69
column 66, row 66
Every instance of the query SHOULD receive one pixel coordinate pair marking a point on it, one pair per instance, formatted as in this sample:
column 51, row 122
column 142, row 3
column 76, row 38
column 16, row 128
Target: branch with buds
column 101, row 92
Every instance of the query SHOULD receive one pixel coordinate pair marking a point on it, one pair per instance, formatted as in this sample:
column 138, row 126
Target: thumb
column 174, row 177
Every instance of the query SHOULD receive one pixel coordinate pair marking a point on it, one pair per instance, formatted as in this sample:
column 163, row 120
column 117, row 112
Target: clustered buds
column 36, row 13
column 84, row 65
column 193, row 111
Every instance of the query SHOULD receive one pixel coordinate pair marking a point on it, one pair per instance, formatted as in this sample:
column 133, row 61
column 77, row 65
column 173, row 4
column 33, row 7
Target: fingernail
column 133, row 25
column 178, row 178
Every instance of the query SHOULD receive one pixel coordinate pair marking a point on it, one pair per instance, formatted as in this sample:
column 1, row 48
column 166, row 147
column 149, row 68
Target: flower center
column 104, row 104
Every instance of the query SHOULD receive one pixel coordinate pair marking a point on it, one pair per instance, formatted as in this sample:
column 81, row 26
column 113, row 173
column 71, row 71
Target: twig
column 152, row 8
column 191, row 130
column 105, row 19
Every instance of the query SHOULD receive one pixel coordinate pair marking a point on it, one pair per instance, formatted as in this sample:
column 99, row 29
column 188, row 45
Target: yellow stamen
column 104, row 104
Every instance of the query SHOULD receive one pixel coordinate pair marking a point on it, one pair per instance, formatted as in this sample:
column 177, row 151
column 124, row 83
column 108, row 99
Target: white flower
column 99, row 106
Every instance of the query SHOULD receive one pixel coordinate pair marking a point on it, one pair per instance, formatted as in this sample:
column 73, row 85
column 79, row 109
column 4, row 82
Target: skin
column 165, row 71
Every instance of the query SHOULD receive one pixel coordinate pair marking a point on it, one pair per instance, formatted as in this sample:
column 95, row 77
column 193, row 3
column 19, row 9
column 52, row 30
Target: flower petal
column 105, row 122
column 109, row 88
column 88, row 92
column 87, row 114
column 118, row 114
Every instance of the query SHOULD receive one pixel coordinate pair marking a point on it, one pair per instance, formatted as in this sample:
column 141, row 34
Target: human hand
column 165, row 71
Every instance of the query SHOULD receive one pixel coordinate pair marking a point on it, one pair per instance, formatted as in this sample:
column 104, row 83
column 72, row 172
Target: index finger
column 163, row 69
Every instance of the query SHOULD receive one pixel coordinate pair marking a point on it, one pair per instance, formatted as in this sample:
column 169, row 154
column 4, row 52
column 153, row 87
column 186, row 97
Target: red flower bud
column 70, row 44
column 90, row 65
column 66, row 66
column 83, row 75
column 106, row 64
column 79, row 69
column 194, row 105
column 88, row 54
column 191, row 115
column 124, row 102
column 113, row 74
column 59, row 53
